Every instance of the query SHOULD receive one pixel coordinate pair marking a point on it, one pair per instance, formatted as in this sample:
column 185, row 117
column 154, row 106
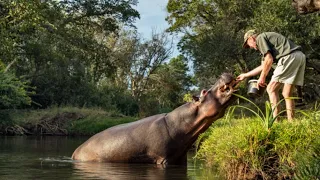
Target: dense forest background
column 87, row 53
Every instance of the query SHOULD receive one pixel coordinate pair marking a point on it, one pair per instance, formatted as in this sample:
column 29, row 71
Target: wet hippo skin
column 306, row 6
column 162, row 138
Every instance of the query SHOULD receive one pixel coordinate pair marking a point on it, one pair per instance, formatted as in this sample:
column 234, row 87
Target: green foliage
column 245, row 148
column 88, row 54
column 100, row 13
column 142, row 66
column 138, row 59
column 5, row 119
column 187, row 97
column 13, row 92
column 310, row 166
column 170, row 82
column 212, row 33
column 114, row 98
column 63, row 48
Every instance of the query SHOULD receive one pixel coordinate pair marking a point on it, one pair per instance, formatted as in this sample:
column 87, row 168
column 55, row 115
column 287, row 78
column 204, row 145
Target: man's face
column 251, row 42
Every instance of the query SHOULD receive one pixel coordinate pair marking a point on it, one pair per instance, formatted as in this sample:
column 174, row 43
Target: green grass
column 245, row 149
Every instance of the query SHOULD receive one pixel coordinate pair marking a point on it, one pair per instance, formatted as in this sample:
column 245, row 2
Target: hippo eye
column 228, row 89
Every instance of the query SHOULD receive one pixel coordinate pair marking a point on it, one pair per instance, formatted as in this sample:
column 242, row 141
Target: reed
column 265, row 117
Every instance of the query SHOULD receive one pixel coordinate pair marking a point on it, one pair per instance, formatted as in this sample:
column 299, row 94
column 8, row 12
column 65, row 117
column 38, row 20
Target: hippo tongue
column 235, row 84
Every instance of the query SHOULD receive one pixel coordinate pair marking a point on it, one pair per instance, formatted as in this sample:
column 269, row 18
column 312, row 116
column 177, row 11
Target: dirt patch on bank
column 56, row 125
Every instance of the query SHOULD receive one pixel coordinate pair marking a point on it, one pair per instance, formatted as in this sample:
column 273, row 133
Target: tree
column 212, row 38
column 303, row 30
column 136, row 60
column 61, row 47
column 13, row 92
column 170, row 82
column 213, row 32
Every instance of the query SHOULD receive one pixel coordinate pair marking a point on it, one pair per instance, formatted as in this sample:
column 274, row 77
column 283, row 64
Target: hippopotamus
column 163, row 138
column 306, row 6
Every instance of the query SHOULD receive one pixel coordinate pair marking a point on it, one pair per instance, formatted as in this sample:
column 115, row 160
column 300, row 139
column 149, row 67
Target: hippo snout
column 230, row 87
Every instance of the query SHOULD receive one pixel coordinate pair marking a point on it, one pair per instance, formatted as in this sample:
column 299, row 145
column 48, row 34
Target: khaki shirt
column 278, row 45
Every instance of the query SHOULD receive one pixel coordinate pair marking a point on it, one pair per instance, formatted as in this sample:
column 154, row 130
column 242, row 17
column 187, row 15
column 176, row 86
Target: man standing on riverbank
column 275, row 48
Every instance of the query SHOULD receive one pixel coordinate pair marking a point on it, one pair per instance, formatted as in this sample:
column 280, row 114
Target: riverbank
column 244, row 148
column 237, row 148
column 59, row 121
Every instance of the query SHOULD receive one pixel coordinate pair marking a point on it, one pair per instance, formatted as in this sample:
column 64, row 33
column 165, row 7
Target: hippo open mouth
column 227, row 90
column 226, row 85
column 230, row 87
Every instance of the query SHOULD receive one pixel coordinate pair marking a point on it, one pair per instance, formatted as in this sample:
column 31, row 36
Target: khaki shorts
column 290, row 69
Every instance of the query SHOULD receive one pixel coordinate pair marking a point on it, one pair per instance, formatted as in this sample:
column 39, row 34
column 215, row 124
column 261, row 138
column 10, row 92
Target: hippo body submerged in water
column 162, row 138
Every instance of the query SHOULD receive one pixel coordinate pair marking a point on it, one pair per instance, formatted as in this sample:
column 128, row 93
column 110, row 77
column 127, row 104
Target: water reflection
column 49, row 158
column 118, row 171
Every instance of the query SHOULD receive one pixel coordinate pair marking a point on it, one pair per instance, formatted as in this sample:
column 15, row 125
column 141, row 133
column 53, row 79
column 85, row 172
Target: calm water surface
column 49, row 158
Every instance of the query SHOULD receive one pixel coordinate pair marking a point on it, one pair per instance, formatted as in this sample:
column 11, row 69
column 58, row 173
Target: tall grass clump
column 266, row 117
column 245, row 149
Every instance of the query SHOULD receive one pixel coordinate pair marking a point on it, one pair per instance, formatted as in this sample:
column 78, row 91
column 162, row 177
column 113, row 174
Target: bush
column 12, row 91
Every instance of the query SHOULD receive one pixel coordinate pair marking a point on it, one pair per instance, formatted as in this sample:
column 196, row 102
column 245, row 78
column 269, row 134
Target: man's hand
column 241, row 77
column 261, row 82
column 266, row 66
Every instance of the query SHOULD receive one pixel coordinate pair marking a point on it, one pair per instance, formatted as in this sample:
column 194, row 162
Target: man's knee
column 273, row 87
column 269, row 90
column 287, row 91
column 286, row 94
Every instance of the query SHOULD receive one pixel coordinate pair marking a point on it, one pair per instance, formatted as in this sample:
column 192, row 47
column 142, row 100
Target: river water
column 26, row 157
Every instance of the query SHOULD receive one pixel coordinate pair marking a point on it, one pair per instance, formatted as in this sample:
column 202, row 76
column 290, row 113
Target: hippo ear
column 203, row 92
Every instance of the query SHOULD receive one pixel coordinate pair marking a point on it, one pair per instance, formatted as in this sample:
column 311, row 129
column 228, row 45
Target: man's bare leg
column 273, row 92
column 287, row 93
